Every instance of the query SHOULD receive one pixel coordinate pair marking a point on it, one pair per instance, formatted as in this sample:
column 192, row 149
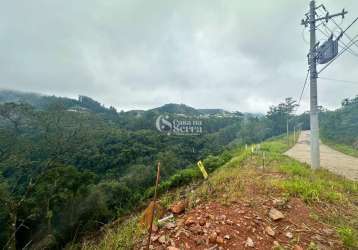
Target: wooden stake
column 154, row 201
column 263, row 160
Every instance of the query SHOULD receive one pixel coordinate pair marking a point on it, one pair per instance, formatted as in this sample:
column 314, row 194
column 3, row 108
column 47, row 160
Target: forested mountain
column 341, row 125
column 44, row 102
column 173, row 108
column 65, row 172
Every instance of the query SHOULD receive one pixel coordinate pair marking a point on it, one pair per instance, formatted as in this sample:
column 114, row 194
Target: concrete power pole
column 315, row 154
column 312, row 58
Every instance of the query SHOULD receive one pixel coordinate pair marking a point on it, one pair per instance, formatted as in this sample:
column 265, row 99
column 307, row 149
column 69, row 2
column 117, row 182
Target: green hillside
column 65, row 172
column 339, row 128
column 313, row 203
column 54, row 160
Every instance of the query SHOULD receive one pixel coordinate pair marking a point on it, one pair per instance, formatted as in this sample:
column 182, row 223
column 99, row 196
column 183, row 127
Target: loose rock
column 278, row 202
column 289, row 235
column 190, row 221
column 212, row 237
column 178, row 207
column 202, row 222
column 276, row 244
column 196, row 229
column 249, row 242
column 162, row 239
column 219, row 240
column 270, row 231
column 275, row 214
column 154, row 238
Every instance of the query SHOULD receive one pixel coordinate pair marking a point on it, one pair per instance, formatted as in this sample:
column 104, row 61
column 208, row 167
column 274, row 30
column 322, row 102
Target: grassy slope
column 346, row 149
column 332, row 199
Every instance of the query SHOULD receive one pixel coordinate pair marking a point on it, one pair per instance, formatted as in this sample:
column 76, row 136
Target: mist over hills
column 85, row 103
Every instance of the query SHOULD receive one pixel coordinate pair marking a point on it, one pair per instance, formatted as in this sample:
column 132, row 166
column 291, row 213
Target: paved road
column 331, row 159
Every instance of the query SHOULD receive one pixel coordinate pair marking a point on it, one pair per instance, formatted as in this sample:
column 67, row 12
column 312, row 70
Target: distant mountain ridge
column 43, row 102
column 83, row 103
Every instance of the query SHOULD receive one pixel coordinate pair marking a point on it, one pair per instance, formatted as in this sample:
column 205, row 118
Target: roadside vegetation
column 331, row 199
column 344, row 148
column 339, row 128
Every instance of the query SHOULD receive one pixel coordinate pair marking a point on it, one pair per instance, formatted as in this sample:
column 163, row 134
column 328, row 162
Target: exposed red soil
column 216, row 226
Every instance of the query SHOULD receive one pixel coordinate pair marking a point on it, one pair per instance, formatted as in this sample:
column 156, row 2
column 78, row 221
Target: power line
column 324, row 33
column 340, row 41
column 339, row 27
column 303, row 88
column 344, row 46
column 342, row 32
column 355, row 20
column 350, row 45
column 337, row 80
column 303, row 36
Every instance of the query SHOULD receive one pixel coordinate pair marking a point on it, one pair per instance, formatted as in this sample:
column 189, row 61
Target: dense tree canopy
column 65, row 172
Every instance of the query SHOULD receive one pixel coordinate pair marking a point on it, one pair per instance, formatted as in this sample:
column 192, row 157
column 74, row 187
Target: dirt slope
column 241, row 225
column 331, row 159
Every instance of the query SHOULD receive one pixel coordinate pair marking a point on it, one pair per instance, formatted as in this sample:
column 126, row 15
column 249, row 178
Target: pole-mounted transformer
column 327, row 51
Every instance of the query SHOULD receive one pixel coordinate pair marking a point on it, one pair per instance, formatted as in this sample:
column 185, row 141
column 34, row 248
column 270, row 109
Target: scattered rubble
column 242, row 226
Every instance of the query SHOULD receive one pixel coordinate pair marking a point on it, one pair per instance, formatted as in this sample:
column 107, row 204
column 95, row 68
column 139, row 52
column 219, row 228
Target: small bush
column 302, row 188
column 295, row 169
column 123, row 237
column 348, row 237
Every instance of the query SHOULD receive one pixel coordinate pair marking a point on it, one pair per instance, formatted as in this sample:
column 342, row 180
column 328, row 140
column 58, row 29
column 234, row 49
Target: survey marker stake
column 154, row 205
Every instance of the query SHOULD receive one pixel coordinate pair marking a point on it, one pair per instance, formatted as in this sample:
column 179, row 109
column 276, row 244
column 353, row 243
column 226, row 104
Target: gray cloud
column 132, row 54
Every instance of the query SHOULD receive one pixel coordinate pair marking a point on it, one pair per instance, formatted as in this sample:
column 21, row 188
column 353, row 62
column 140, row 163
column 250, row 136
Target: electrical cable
column 303, row 88
column 340, row 41
column 339, row 27
column 337, row 80
column 339, row 44
column 303, row 36
column 355, row 20
column 350, row 45
column 342, row 32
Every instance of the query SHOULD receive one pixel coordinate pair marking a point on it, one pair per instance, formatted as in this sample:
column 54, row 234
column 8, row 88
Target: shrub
column 348, row 237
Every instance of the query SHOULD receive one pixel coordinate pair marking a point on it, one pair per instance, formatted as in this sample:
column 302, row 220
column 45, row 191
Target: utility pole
column 315, row 154
column 287, row 133
column 312, row 59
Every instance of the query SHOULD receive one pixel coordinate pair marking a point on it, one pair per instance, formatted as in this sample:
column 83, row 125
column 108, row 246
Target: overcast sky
column 139, row 54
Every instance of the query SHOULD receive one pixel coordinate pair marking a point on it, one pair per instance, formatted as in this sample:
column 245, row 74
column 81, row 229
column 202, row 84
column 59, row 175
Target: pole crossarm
column 306, row 21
